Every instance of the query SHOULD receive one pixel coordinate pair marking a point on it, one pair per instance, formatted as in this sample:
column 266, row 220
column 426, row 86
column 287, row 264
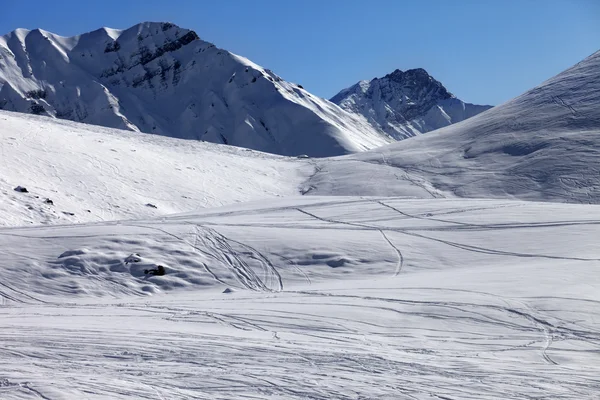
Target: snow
column 385, row 280
column 333, row 298
column 542, row 146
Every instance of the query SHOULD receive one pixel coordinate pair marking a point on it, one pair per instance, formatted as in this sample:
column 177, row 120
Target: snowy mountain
column 405, row 104
column 160, row 78
column 542, row 145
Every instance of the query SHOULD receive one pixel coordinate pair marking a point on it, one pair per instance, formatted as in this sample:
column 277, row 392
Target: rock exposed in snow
column 160, row 78
column 405, row 104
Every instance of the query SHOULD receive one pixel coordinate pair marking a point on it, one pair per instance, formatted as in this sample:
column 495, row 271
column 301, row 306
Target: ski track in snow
column 453, row 321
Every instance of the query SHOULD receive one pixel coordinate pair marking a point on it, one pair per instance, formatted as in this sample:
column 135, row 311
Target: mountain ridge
column 159, row 78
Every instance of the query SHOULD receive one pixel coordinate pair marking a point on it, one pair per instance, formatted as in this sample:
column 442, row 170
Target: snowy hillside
column 405, row 104
column 542, row 145
column 76, row 173
column 91, row 173
column 310, row 298
column 159, row 78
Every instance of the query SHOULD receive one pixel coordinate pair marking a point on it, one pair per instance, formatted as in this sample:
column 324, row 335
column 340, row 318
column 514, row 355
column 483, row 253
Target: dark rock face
column 416, row 84
column 147, row 55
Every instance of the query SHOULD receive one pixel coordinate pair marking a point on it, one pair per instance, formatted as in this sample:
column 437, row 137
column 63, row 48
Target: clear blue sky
column 484, row 51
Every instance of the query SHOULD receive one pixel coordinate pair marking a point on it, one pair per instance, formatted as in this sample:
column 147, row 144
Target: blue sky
column 484, row 51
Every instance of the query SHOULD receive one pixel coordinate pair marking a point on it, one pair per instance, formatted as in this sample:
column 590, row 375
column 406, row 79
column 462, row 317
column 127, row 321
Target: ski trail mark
column 296, row 267
column 16, row 299
column 543, row 326
column 400, row 263
column 34, row 391
column 271, row 272
column 224, row 252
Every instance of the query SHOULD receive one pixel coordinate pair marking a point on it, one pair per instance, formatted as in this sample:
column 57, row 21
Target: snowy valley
column 459, row 264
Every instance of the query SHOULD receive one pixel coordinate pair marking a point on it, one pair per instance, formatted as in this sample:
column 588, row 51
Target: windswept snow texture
column 308, row 298
column 159, row 78
column 405, row 104
column 542, row 145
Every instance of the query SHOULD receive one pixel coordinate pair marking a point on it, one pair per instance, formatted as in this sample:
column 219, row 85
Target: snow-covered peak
column 405, row 103
column 159, row 78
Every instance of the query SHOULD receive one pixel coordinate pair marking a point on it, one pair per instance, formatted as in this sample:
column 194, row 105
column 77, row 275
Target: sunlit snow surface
column 330, row 298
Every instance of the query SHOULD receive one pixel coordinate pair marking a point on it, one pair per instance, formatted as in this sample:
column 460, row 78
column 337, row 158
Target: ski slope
column 94, row 174
column 308, row 298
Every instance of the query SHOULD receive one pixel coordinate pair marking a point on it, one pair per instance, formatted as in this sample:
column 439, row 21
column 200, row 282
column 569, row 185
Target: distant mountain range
column 160, row 78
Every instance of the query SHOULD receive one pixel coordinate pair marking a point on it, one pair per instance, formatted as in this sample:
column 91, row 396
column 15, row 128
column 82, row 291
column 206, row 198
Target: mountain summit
column 405, row 104
column 160, row 78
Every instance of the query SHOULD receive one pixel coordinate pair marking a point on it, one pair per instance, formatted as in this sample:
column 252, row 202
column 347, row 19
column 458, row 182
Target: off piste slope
column 295, row 242
column 308, row 298
column 406, row 103
column 76, row 173
column 542, row 145
column 160, row 78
